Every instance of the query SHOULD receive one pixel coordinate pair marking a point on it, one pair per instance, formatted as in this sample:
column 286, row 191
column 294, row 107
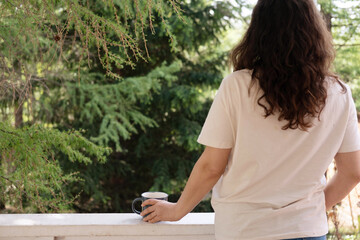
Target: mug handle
column 133, row 205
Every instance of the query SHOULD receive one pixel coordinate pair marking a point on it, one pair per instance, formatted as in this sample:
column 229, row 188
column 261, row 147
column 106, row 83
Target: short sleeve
column 217, row 130
column 351, row 140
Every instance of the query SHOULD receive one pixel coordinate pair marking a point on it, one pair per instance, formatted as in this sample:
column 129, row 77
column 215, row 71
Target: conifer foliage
column 31, row 179
column 47, row 49
column 135, row 76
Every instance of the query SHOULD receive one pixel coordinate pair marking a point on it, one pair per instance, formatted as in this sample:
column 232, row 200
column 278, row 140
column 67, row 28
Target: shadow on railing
column 129, row 226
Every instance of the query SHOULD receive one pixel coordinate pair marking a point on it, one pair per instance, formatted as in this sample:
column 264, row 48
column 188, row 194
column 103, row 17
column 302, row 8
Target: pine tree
column 152, row 116
column 46, row 45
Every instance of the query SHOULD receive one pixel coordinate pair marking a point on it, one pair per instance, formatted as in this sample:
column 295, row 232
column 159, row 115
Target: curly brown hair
column 290, row 51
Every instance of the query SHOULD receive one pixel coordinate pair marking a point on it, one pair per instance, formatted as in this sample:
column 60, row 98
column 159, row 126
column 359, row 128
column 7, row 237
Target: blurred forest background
column 101, row 100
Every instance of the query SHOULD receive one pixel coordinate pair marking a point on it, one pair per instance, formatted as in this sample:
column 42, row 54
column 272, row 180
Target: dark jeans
column 309, row 238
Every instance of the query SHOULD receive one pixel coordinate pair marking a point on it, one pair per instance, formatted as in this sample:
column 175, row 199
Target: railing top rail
column 78, row 219
column 114, row 224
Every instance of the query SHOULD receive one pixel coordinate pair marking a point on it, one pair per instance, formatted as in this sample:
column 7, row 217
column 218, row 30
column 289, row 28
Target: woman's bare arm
column 345, row 179
column 206, row 172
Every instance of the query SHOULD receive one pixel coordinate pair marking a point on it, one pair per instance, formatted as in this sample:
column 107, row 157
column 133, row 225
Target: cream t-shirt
column 273, row 185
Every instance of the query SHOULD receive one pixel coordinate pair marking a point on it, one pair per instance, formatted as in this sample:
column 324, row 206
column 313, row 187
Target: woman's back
column 274, row 176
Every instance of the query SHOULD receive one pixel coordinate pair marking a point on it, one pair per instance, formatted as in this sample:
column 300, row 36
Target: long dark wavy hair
column 290, row 51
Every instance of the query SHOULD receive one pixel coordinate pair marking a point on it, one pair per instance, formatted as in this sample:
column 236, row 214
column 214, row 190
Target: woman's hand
column 159, row 211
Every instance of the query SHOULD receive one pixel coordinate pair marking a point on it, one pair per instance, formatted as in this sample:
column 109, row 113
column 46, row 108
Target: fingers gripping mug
column 148, row 195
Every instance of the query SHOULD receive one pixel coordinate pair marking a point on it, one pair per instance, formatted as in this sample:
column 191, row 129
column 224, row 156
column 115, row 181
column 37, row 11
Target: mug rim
column 163, row 194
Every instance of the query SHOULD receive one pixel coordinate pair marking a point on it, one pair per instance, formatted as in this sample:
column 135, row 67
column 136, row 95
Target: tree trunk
column 327, row 16
column 18, row 114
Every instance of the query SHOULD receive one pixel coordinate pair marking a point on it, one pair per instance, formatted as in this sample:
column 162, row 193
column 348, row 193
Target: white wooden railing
column 123, row 226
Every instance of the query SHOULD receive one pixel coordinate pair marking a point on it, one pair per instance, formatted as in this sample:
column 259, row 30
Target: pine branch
column 8, row 132
column 347, row 45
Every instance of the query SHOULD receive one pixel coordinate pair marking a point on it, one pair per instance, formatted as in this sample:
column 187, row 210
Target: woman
column 274, row 127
